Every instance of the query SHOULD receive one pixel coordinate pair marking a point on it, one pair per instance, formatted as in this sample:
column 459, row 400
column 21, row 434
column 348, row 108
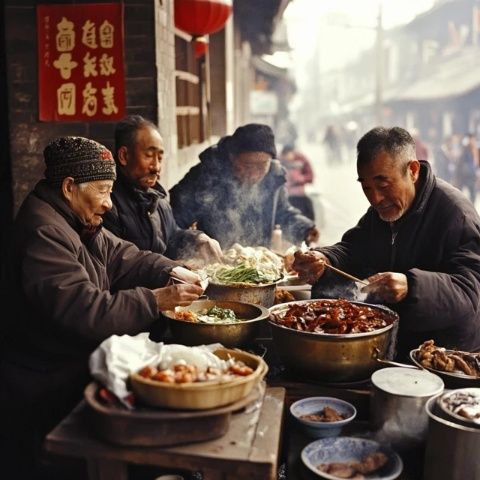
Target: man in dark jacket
column 69, row 285
column 141, row 212
column 418, row 245
column 236, row 194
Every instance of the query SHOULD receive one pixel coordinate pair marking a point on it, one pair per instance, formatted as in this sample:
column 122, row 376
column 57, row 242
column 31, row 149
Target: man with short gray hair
column 418, row 245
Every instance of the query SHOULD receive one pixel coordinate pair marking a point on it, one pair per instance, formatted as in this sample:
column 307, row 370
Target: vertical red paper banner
column 80, row 62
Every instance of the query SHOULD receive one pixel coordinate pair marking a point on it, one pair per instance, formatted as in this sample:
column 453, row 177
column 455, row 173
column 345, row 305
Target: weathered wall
column 28, row 136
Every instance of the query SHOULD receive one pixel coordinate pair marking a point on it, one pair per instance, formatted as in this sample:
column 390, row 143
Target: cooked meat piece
column 371, row 463
column 340, row 470
column 462, row 365
column 428, row 346
column 283, row 296
column 327, row 414
column 441, row 361
column 331, row 415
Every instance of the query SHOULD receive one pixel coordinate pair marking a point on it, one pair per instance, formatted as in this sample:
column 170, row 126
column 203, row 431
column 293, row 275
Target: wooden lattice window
column 191, row 93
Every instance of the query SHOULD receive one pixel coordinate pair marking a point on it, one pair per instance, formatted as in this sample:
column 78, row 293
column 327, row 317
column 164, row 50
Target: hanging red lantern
column 200, row 46
column 202, row 17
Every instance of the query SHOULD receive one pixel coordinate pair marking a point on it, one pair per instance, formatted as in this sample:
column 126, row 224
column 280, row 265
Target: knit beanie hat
column 253, row 137
column 81, row 158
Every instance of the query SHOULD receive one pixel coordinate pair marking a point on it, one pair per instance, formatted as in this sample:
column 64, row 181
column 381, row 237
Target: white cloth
column 118, row 356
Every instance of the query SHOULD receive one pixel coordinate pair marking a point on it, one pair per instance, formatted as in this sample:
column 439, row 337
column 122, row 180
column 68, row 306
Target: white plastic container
column 277, row 241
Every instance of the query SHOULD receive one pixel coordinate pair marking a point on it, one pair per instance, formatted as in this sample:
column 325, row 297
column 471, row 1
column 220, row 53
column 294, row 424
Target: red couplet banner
column 80, row 62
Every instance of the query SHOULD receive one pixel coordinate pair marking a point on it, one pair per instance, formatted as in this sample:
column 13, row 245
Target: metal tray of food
column 145, row 426
column 454, row 379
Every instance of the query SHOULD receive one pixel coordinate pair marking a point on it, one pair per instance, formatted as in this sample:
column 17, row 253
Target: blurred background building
column 321, row 73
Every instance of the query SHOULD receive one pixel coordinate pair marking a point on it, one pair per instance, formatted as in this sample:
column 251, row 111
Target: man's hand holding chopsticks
column 309, row 265
column 389, row 287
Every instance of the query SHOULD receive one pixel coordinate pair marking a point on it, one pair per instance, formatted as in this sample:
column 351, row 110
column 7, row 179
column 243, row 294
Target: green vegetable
column 241, row 273
column 217, row 314
column 223, row 313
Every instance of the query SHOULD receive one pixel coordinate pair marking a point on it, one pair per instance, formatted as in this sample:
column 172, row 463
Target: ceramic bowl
column 319, row 429
column 349, row 449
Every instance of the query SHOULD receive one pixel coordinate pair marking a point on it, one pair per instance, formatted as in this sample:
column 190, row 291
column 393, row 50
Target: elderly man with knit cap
column 69, row 285
column 236, row 194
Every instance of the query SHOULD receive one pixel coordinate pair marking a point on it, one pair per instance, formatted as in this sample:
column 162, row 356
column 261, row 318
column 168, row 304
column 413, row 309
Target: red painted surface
column 80, row 62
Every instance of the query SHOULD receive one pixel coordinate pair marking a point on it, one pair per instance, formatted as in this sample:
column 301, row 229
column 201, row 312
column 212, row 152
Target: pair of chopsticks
column 335, row 269
column 345, row 274
column 178, row 280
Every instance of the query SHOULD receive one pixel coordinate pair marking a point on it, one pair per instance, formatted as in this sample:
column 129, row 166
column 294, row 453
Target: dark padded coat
column 146, row 219
column 210, row 196
column 437, row 245
column 66, row 290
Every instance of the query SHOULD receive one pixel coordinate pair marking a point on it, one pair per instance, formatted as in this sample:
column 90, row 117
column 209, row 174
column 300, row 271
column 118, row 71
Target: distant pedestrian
column 332, row 142
column 421, row 149
column 299, row 174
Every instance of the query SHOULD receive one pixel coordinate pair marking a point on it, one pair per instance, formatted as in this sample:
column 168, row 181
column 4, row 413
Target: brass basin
column 262, row 294
column 228, row 334
column 333, row 358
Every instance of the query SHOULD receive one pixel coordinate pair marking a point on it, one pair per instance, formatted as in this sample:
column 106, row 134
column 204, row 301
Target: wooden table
column 249, row 450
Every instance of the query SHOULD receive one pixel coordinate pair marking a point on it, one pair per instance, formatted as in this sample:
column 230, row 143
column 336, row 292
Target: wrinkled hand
column 209, row 249
column 184, row 275
column 390, row 287
column 312, row 236
column 309, row 265
column 176, row 295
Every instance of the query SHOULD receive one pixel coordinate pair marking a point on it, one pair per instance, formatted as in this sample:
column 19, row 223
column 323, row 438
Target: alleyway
column 337, row 196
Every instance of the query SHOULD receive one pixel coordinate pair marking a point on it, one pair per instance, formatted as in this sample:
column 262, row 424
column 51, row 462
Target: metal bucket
column 452, row 449
column 397, row 406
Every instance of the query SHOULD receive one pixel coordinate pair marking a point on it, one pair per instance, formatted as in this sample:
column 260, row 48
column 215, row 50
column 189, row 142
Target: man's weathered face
column 142, row 164
column 250, row 168
column 388, row 187
column 90, row 200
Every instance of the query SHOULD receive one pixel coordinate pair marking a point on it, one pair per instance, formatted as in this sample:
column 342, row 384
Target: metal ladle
column 391, row 363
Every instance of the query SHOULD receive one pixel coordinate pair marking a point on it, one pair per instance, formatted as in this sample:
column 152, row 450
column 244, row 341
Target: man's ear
column 122, row 155
column 67, row 188
column 414, row 169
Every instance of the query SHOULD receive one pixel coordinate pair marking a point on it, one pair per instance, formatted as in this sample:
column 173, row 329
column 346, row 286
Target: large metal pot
column 263, row 294
column 228, row 334
column 333, row 358
column 452, row 449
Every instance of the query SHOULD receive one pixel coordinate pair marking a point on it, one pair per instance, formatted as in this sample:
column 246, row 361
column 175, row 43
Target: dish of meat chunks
column 453, row 362
column 369, row 464
column 351, row 457
column 333, row 317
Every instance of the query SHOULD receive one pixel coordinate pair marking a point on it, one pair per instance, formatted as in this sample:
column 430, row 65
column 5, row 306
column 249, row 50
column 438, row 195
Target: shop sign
column 80, row 61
